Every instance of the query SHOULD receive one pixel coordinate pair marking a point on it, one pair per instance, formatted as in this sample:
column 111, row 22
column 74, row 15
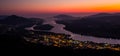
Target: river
column 59, row 28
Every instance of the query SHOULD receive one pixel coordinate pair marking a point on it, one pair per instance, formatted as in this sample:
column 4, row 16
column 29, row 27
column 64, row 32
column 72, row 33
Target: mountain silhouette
column 102, row 14
column 3, row 16
column 65, row 17
column 100, row 25
column 20, row 22
column 14, row 20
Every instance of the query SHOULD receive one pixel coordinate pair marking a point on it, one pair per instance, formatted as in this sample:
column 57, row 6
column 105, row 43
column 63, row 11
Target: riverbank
column 59, row 28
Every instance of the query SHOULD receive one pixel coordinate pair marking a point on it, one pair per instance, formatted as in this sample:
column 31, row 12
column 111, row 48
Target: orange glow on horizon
column 74, row 9
column 59, row 6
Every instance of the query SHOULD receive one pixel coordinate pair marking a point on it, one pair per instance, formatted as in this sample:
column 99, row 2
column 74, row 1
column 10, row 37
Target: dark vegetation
column 43, row 27
column 100, row 25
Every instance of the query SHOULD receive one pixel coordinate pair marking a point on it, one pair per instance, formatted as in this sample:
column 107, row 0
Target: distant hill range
column 65, row 17
column 2, row 16
column 100, row 25
column 18, row 21
column 104, row 18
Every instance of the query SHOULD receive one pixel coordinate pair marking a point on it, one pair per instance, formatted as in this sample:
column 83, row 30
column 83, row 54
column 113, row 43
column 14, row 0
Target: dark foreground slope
column 14, row 40
column 17, row 43
column 100, row 25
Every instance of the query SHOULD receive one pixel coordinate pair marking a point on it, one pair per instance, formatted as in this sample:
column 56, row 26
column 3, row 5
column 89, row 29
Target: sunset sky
column 58, row 6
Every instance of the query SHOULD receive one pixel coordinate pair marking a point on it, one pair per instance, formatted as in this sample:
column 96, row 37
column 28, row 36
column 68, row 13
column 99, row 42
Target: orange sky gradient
column 58, row 6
